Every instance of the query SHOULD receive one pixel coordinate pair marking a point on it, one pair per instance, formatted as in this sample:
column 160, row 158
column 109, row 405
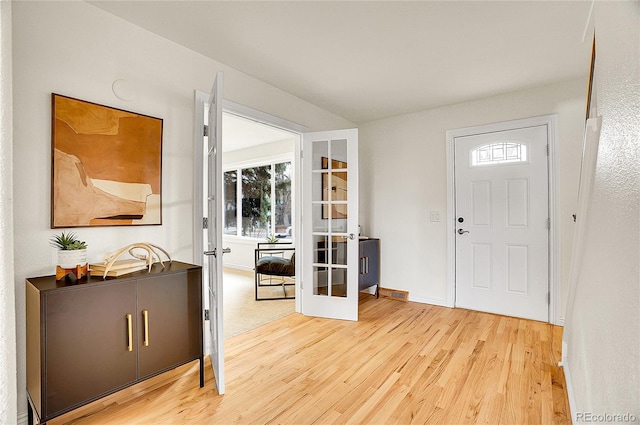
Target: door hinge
column 205, row 131
column 206, row 314
column 548, row 223
column 547, row 150
column 548, row 297
column 205, row 223
column 301, row 154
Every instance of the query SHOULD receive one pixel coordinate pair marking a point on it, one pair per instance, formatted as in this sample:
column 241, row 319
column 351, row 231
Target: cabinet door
column 361, row 276
column 371, row 253
column 87, row 337
column 172, row 335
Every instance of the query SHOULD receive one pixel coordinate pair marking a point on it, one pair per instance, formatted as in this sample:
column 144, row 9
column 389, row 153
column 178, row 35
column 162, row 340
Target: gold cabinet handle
column 145, row 315
column 129, row 332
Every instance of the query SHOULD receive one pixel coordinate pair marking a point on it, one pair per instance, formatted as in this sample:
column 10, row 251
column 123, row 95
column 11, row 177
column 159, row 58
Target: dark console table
column 369, row 267
column 94, row 337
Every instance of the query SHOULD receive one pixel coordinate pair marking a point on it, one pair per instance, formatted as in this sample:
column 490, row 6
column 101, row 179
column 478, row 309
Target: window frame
column 523, row 154
column 259, row 162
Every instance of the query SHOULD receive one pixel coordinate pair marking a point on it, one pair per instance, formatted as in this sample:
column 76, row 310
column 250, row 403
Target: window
column 259, row 198
column 283, row 199
column 499, row 153
column 256, row 201
column 230, row 202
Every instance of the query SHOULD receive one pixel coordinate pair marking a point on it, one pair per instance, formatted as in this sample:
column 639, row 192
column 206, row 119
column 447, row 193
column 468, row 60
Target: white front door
column 213, row 245
column 330, row 224
column 502, row 219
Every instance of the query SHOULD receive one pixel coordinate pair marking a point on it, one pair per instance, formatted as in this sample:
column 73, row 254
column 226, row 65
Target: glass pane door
column 331, row 196
column 214, row 233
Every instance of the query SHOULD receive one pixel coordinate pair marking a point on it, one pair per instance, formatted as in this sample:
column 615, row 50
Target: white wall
column 602, row 332
column 403, row 178
column 75, row 49
column 258, row 152
column 8, row 395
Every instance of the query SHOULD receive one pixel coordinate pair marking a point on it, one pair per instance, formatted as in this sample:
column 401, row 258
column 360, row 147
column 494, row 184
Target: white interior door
column 214, row 249
column 502, row 219
column 330, row 224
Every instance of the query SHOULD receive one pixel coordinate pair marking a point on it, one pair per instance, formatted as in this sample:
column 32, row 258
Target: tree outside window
column 230, row 202
column 256, row 201
column 283, row 200
column 261, row 215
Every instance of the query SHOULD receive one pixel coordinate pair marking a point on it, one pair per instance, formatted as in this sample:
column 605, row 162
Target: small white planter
column 69, row 259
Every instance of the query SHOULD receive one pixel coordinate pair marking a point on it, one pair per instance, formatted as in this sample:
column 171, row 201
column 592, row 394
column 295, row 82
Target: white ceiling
column 241, row 133
column 367, row 60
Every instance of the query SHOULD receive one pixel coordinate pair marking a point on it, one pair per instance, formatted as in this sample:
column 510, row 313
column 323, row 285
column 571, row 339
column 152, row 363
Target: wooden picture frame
column 106, row 165
column 592, row 67
column 337, row 191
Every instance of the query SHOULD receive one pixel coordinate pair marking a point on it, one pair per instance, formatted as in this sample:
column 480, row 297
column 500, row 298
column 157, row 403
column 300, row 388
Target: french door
column 330, row 224
column 214, row 251
column 329, row 248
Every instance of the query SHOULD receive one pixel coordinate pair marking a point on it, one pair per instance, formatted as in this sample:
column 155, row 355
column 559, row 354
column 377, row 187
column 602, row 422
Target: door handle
column 462, row 232
column 214, row 253
column 129, row 333
column 145, row 315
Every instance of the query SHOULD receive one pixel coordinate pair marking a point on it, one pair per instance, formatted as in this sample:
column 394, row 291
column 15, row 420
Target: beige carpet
column 241, row 312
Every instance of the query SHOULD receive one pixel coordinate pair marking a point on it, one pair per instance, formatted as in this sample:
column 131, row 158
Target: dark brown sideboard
column 88, row 339
column 369, row 267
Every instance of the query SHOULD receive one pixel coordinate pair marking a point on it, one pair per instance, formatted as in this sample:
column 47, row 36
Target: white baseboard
column 444, row 303
column 238, row 267
column 568, row 382
column 441, row 303
column 23, row 418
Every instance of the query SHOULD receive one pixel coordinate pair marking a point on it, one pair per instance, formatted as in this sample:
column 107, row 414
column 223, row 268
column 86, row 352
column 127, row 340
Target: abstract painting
column 106, row 165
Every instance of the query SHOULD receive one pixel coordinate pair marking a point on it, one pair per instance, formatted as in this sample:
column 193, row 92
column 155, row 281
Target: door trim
column 551, row 122
column 200, row 99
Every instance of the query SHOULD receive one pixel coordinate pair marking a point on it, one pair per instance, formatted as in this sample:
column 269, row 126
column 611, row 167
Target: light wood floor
column 401, row 363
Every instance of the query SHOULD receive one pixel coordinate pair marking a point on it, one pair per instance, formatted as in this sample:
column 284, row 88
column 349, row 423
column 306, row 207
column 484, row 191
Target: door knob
column 462, row 232
column 214, row 252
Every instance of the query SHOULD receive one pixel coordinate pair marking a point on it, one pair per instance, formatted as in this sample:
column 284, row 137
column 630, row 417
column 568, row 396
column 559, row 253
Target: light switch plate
column 435, row 215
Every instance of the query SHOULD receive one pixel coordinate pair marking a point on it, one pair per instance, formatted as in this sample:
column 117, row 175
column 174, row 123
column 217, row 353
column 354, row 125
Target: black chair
column 275, row 265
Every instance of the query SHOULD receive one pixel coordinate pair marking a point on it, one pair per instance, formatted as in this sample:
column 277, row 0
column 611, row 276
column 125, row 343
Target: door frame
column 551, row 122
column 201, row 98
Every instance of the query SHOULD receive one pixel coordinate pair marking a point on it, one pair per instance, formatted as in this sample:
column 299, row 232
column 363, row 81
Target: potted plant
column 272, row 239
column 72, row 252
